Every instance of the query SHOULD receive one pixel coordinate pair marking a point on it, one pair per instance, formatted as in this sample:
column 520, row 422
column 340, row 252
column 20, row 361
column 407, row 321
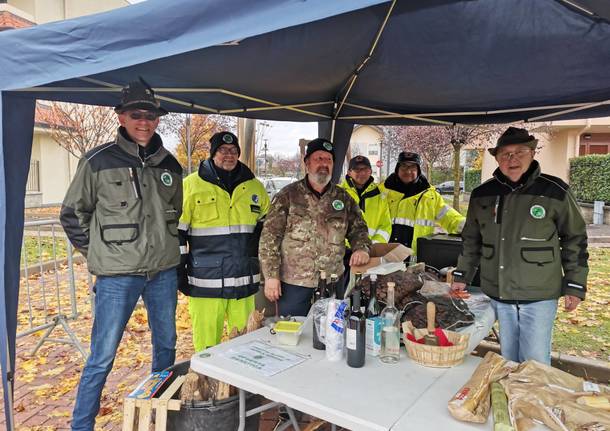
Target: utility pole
column 189, row 149
column 265, row 152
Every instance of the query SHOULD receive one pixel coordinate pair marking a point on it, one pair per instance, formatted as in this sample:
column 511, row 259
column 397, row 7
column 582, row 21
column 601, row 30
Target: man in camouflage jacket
column 305, row 232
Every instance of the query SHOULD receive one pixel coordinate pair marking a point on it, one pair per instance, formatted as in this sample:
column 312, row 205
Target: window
column 33, row 184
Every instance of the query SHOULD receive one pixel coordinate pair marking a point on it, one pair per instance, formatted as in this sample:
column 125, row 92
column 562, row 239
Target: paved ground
column 46, row 383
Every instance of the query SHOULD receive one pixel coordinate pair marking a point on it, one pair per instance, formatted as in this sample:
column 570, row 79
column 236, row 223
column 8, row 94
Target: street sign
column 379, row 163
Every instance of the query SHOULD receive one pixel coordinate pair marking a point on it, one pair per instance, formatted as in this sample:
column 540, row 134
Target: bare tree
column 431, row 142
column 193, row 132
column 79, row 128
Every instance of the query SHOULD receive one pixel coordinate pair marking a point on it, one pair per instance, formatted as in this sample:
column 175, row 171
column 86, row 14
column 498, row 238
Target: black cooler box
column 441, row 250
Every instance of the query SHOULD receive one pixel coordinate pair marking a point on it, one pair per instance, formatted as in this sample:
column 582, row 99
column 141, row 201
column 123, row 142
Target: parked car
column 274, row 184
column 447, row 187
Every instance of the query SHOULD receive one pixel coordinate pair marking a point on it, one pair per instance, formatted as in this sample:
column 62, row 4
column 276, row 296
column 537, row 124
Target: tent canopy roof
column 363, row 61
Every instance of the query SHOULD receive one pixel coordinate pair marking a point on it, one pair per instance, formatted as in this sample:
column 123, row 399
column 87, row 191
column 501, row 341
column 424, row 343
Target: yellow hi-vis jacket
column 375, row 210
column 222, row 232
column 422, row 212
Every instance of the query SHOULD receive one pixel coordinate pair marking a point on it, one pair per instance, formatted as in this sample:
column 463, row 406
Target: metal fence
column 48, row 285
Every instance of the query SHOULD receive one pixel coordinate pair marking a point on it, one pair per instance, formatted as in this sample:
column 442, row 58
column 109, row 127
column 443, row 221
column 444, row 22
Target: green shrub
column 473, row 179
column 590, row 178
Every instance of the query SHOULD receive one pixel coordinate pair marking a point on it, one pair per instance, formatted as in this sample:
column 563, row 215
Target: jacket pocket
column 206, row 208
column 538, row 255
column 337, row 229
column 489, row 265
column 171, row 222
column 487, row 251
column 539, row 273
column 120, row 233
column 300, row 227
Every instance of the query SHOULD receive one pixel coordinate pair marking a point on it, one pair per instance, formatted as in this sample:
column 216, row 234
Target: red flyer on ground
column 149, row 387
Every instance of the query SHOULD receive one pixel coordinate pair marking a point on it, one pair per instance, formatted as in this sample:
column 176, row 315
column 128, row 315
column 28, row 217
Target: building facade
column 51, row 166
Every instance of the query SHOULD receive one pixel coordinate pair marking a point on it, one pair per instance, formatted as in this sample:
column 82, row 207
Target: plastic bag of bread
column 472, row 402
column 540, row 393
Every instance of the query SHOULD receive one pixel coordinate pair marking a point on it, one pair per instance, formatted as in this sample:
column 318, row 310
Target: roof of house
column 9, row 20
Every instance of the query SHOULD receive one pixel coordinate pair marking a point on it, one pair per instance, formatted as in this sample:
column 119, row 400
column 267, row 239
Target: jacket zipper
column 133, row 177
column 525, row 238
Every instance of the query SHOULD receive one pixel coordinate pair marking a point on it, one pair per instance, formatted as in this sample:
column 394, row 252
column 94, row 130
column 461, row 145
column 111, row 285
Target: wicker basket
column 436, row 356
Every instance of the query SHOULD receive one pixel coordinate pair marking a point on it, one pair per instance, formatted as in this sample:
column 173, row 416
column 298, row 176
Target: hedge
column 473, row 179
column 590, row 178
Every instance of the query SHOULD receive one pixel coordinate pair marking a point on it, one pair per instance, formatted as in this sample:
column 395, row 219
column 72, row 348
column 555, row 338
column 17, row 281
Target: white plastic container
column 288, row 333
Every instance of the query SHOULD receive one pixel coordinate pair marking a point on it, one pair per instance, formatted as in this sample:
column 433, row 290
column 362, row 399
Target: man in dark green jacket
column 525, row 232
column 121, row 212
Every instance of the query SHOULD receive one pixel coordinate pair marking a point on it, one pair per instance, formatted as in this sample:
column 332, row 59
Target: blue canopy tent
column 335, row 62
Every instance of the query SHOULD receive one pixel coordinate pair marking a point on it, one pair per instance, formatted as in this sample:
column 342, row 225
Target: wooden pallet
column 137, row 413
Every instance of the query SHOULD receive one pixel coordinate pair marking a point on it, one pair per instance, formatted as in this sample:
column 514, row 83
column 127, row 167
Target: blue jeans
column 526, row 330
column 115, row 300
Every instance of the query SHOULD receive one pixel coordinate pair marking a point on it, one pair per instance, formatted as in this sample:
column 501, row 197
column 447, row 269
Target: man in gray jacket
column 121, row 212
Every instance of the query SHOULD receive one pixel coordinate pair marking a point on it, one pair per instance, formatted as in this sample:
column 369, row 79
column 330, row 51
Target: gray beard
column 320, row 178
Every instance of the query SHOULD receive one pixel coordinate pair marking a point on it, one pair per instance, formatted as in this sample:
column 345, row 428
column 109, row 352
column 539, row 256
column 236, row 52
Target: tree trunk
column 456, row 175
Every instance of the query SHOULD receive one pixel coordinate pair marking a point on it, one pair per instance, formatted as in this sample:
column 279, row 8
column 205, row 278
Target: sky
column 282, row 136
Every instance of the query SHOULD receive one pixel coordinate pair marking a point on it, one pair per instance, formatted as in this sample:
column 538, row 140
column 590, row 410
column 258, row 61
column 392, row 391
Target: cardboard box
column 384, row 253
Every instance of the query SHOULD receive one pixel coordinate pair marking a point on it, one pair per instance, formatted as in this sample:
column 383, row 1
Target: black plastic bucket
column 210, row 415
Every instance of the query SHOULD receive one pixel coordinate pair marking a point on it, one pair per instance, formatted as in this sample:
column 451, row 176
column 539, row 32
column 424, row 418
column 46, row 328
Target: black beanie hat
column 223, row 138
column 409, row 157
column 319, row 144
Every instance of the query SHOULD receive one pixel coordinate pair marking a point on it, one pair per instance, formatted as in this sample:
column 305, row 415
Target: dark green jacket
column 529, row 240
column 121, row 211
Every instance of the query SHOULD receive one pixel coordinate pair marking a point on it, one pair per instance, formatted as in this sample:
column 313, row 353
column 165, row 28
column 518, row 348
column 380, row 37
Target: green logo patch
column 328, row 146
column 166, row 179
column 338, row 205
column 537, row 211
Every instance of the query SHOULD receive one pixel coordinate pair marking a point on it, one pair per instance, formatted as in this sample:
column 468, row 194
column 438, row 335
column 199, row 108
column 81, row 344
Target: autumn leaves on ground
column 46, row 382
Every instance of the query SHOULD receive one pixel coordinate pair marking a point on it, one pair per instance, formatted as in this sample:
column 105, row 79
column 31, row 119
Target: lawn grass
column 34, row 251
column 586, row 332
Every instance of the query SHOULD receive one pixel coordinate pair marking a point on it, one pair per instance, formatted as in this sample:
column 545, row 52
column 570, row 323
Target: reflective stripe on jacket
column 222, row 235
column 422, row 212
column 375, row 210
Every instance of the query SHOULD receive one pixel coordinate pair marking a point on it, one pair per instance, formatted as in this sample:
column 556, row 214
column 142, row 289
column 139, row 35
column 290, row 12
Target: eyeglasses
column 136, row 115
column 228, row 150
column 407, row 167
column 519, row 154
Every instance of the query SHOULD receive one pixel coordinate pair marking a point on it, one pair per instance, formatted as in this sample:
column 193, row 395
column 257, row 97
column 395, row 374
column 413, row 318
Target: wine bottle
column 319, row 294
column 373, row 308
column 390, row 330
column 355, row 335
column 332, row 286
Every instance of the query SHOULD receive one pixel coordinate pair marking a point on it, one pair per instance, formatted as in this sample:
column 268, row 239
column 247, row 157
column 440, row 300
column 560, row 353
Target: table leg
column 242, row 410
column 293, row 419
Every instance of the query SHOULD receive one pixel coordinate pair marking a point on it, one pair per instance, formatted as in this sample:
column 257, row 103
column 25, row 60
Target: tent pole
column 354, row 77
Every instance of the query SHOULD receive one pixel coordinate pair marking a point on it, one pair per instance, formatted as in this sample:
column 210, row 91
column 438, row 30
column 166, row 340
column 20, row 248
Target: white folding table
column 376, row 397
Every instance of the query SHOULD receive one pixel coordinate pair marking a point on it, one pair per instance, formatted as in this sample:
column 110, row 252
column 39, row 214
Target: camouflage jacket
column 304, row 234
